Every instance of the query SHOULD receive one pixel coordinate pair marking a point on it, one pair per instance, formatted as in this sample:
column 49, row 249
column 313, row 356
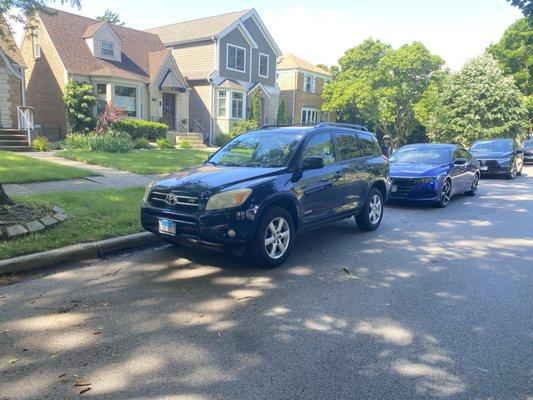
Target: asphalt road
column 437, row 304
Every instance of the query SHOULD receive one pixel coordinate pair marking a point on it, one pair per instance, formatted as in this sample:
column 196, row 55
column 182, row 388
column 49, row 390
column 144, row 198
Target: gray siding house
column 225, row 59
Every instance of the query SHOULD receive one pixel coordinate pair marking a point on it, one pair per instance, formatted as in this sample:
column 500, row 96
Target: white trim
column 242, row 29
column 270, row 40
column 305, row 71
column 267, row 65
column 313, row 83
column 101, row 43
column 259, row 84
column 227, row 58
column 10, row 66
column 110, row 28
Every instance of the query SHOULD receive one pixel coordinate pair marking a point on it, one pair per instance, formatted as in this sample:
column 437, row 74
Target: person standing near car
column 386, row 146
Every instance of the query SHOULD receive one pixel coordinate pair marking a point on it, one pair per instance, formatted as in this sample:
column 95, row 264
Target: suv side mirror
column 459, row 161
column 313, row 163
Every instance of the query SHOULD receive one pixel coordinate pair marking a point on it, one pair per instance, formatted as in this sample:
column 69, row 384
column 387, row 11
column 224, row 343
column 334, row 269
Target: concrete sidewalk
column 109, row 178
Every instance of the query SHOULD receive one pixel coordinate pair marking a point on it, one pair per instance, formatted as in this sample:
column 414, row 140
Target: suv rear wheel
column 369, row 218
column 274, row 238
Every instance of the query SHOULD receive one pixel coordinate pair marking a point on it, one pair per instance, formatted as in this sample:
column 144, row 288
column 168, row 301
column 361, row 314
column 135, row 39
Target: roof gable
column 290, row 61
column 8, row 45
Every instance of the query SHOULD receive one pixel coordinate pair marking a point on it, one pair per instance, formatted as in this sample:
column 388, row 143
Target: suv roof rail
column 309, row 124
column 340, row 124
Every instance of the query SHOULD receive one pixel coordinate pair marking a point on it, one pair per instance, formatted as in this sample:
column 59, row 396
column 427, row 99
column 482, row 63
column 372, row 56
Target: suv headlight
column 229, row 199
column 147, row 191
column 504, row 160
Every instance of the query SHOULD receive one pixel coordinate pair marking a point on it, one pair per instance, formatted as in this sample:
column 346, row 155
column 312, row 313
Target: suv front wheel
column 370, row 216
column 274, row 238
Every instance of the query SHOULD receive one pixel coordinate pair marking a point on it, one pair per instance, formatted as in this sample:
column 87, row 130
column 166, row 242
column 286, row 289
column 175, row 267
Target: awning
column 171, row 83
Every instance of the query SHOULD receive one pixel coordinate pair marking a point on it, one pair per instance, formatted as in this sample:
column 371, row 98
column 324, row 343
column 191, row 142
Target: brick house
column 132, row 68
column 301, row 84
column 225, row 59
column 12, row 68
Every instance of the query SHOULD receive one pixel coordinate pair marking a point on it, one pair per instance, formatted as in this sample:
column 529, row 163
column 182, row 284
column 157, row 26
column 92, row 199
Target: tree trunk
column 4, row 199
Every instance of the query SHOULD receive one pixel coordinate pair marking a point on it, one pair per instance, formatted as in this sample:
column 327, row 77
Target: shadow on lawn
column 183, row 323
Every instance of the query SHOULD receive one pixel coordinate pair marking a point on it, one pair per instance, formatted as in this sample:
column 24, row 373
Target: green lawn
column 142, row 162
column 93, row 215
column 16, row 168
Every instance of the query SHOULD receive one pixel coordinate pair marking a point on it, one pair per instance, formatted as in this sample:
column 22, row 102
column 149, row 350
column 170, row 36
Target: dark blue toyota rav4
column 262, row 188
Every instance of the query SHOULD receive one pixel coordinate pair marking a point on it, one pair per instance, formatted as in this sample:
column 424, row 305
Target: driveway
column 435, row 304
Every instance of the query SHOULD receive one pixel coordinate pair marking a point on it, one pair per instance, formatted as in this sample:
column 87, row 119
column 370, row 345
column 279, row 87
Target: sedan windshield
column 260, row 149
column 423, row 155
column 528, row 145
column 492, row 145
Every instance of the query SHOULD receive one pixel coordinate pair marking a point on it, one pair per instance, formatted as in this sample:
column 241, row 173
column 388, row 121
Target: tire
column 273, row 228
column 445, row 194
column 512, row 173
column 519, row 173
column 370, row 216
column 474, row 187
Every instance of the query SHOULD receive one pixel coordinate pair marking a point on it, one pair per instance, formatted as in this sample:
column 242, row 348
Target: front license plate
column 394, row 188
column 484, row 168
column 167, row 227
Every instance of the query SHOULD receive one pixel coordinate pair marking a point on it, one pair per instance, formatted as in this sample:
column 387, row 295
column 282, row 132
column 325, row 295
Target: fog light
column 231, row 233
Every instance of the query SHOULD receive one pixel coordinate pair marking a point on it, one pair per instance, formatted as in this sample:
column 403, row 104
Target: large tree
column 478, row 101
column 514, row 53
column 23, row 11
column 379, row 86
column 526, row 6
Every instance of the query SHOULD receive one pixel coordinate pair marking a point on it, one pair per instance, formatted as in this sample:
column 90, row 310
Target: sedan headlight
column 426, row 179
column 147, row 191
column 229, row 199
column 504, row 160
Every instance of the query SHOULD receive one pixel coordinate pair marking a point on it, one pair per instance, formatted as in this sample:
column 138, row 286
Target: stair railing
column 26, row 120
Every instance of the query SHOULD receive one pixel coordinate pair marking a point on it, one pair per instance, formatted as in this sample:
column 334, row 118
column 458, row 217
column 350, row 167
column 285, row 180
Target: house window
column 263, row 65
column 101, row 98
column 310, row 115
column 235, row 58
column 126, row 98
column 327, row 81
column 222, row 96
column 107, row 48
column 237, row 105
column 36, row 44
column 309, row 83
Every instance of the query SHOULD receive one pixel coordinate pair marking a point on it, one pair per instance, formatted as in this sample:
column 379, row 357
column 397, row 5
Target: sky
column 321, row 31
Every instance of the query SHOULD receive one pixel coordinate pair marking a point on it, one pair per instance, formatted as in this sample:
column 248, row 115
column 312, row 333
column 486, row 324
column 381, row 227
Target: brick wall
column 10, row 97
column 45, row 81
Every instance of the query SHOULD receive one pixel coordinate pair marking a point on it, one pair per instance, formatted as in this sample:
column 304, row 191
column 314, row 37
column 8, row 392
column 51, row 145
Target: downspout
column 23, row 88
column 210, row 80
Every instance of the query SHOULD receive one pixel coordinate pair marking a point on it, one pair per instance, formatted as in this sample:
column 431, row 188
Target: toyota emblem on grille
column 171, row 199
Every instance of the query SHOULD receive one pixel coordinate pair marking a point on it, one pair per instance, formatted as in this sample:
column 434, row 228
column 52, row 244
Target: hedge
column 138, row 128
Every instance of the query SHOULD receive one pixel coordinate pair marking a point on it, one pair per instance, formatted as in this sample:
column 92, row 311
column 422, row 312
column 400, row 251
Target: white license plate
column 394, row 188
column 484, row 168
column 167, row 227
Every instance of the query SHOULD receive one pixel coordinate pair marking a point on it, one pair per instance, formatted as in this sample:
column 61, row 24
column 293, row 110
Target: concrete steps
column 196, row 140
column 14, row 140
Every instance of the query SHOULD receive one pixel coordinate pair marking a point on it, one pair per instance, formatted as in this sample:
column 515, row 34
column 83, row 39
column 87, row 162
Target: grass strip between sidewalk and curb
column 143, row 162
column 93, row 215
column 16, row 168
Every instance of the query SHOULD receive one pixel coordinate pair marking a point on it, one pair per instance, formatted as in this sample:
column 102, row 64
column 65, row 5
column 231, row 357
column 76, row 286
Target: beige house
column 132, row 68
column 301, row 84
column 225, row 59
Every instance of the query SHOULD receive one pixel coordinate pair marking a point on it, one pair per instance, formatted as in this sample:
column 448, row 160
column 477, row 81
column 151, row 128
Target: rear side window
column 321, row 145
column 369, row 145
column 348, row 146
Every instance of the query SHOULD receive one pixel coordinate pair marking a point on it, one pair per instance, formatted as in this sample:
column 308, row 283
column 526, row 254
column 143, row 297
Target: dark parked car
column 264, row 187
column 432, row 173
column 498, row 157
column 527, row 150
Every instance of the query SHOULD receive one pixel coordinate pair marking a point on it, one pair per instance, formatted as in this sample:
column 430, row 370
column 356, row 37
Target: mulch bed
column 22, row 213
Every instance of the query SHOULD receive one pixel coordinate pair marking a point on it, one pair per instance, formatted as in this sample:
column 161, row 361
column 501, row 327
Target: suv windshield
column 493, row 145
column 259, row 149
column 425, row 155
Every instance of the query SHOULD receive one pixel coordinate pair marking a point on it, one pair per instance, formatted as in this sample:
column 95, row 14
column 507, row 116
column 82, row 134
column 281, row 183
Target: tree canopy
column 111, row 17
column 478, row 101
column 379, row 86
column 526, row 6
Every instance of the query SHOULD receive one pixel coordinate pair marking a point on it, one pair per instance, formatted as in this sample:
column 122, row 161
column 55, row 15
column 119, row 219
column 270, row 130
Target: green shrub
column 164, row 143
column 141, row 143
column 138, row 128
column 80, row 100
column 242, row 126
column 222, row 139
column 111, row 142
column 184, row 144
column 76, row 141
column 41, row 143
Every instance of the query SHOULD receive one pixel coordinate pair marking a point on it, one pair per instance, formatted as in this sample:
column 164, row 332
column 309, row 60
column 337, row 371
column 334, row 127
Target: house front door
column 169, row 110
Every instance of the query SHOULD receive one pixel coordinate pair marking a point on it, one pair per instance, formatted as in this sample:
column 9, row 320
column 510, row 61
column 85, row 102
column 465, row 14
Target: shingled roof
column 67, row 32
column 290, row 61
column 8, row 45
column 198, row 29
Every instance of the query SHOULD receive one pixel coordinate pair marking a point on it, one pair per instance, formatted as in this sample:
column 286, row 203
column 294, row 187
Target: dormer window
column 36, row 44
column 107, row 49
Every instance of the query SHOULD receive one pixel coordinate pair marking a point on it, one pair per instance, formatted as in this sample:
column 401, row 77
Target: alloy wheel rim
column 375, row 209
column 445, row 195
column 277, row 237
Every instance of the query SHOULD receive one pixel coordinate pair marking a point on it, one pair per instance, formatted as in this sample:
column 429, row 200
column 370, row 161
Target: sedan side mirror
column 313, row 163
column 459, row 161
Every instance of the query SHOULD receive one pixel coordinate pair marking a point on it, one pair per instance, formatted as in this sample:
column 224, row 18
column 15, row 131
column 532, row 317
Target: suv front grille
column 178, row 202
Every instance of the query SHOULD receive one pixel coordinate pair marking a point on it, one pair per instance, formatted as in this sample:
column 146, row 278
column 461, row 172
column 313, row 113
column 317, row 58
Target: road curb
column 77, row 252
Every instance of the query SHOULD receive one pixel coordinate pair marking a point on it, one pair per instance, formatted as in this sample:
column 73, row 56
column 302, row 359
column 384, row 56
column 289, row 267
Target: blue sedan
column 432, row 173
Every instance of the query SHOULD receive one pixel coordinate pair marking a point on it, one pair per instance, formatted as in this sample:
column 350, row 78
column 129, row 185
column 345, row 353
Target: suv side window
column 321, row 145
column 369, row 145
column 348, row 146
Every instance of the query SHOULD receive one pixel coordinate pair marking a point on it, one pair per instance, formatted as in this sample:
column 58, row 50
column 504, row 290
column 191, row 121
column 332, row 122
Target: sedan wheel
column 475, row 185
column 445, row 194
column 512, row 172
